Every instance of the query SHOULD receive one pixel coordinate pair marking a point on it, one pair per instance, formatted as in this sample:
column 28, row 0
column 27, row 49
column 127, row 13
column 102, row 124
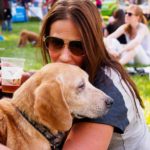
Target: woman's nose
column 65, row 55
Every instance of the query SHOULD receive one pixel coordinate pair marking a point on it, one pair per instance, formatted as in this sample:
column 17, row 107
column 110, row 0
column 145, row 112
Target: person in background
column 137, row 35
column 25, row 3
column 1, row 19
column 7, row 22
column 118, row 20
column 71, row 33
column 99, row 4
column 37, row 3
column 1, row 13
column 46, row 5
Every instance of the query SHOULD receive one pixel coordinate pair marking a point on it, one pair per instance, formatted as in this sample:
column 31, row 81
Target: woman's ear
column 50, row 106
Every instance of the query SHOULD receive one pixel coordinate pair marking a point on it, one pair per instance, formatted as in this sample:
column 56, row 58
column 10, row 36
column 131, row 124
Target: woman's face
column 65, row 52
column 131, row 17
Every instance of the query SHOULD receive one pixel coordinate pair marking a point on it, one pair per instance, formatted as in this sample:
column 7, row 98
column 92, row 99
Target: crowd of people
column 44, row 4
column 71, row 33
column 6, row 10
column 115, row 21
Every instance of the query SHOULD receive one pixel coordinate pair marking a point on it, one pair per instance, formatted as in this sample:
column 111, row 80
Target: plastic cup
column 12, row 70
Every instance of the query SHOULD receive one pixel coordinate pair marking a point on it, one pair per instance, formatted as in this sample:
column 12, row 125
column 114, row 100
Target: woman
column 7, row 22
column 71, row 33
column 137, row 34
column 99, row 4
column 117, row 21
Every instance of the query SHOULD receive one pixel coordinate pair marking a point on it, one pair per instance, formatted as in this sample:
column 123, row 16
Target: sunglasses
column 129, row 14
column 55, row 43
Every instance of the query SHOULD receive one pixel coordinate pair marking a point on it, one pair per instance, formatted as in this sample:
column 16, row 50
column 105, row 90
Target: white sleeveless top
column 145, row 41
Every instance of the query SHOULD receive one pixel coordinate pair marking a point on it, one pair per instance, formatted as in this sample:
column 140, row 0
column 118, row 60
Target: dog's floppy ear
column 50, row 106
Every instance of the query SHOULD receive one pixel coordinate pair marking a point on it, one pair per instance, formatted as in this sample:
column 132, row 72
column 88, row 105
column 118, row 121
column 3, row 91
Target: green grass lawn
column 34, row 60
column 143, row 85
column 8, row 47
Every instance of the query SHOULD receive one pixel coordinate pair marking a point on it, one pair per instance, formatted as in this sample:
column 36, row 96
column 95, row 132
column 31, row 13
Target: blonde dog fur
column 52, row 97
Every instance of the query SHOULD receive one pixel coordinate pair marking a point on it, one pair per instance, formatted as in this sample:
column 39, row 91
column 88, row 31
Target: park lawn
column 8, row 48
column 143, row 85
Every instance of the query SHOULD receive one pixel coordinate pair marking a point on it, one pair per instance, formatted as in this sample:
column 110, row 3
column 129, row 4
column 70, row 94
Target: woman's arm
column 136, row 41
column 118, row 32
column 89, row 136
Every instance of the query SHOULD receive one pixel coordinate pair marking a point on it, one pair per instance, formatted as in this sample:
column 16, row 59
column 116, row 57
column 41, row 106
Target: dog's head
column 57, row 93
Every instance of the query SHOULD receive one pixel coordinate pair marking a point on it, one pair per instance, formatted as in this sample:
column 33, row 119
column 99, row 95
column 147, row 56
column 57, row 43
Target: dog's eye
column 81, row 86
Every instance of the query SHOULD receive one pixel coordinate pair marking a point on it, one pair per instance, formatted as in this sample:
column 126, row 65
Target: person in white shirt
column 137, row 35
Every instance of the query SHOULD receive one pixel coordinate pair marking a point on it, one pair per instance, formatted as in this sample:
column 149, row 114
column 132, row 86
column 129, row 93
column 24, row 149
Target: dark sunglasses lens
column 55, row 43
column 76, row 48
column 129, row 14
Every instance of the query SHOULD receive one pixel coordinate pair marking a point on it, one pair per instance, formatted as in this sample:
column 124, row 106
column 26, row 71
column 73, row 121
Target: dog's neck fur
column 25, row 106
column 55, row 140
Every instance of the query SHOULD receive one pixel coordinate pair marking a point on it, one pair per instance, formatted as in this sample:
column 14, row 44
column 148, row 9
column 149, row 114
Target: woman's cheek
column 54, row 56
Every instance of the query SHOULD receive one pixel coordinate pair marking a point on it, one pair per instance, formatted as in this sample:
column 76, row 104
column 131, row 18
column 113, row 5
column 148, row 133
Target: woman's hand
column 2, row 147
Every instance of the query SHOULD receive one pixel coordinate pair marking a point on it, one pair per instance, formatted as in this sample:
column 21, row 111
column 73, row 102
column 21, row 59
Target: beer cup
column 12, row 70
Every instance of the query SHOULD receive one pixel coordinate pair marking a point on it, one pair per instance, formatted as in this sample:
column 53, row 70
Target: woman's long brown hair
column 88, row 21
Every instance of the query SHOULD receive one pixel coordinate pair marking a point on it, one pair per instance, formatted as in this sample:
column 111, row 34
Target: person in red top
column 99, row 4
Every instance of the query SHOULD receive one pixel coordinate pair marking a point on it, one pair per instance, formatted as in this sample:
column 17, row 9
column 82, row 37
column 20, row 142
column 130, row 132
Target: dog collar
column 56, row 141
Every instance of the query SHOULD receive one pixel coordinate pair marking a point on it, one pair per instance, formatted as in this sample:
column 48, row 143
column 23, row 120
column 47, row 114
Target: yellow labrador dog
column 46, row 104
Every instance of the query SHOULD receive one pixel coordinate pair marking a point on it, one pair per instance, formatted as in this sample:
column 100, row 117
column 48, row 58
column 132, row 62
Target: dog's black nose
column 109, row 102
